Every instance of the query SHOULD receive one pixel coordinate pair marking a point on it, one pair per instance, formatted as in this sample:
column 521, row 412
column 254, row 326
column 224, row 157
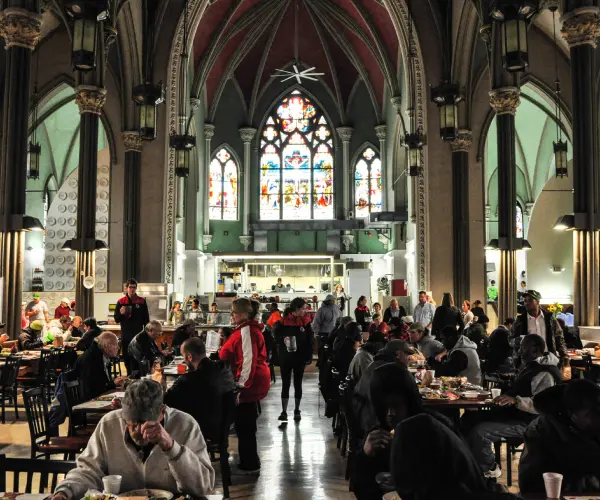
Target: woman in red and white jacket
column 246, row 352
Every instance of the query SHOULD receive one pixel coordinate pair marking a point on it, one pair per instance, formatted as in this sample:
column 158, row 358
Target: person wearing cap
column 424, row 342
column 30, row 337
column 63, row 309
column 146, row 443
column 462, row 359
column 183, row 333
column 539, row 322
column 37, row 309
column 393, row 311
column 324, row 323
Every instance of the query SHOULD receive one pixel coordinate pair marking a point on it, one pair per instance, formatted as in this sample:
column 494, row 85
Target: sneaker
column 297, row 416
column 494, row 473
column 245, row 472
column 283, row 417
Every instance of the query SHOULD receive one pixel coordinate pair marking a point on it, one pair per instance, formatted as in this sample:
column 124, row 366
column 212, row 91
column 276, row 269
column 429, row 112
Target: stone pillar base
column 507, row 289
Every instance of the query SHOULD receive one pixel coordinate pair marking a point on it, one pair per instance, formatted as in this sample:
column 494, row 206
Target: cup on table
column 432, row 373
column 181, row 369
column 112, row 484
column 496, row 392
column 553, row 483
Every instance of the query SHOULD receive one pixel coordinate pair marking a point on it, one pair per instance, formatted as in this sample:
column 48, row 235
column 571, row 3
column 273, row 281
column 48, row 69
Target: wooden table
column 458, row 404
column 101, row 404
column 44, row 496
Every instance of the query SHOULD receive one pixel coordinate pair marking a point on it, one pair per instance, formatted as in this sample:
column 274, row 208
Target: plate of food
column 147, row 494
column 472, row 394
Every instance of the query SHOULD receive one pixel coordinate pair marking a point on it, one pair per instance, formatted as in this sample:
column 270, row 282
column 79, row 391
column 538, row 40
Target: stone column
column 90, row 100
column 381, row 132
column 209, row 131
column 247, row 134
column 20, row 28
column 133, row 161
column 580, row 28
column 504, row 101
column 345, row 134
column 460, row 215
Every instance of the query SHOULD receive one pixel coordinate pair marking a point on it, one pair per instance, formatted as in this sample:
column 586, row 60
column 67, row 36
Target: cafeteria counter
column 168, row 331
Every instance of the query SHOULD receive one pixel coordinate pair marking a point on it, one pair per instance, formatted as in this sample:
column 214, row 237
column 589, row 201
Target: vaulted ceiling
column 248, row 39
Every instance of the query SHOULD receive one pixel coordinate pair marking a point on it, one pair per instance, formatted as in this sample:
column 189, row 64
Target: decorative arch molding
column 398, row 12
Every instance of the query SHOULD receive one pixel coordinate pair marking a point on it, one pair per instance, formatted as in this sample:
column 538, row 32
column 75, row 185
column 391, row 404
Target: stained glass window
column 223, row 186
column 519, row 221
column 296, row 163
column 368, row 196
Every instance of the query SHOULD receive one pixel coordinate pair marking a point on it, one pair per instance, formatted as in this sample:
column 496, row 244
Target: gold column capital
column 133, row 141
column 463, row 141
column 505, row 100
column 20, row 28
column 90, row 99
column 581, row 26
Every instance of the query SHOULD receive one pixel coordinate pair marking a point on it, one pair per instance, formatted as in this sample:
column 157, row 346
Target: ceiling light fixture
column 308, row 74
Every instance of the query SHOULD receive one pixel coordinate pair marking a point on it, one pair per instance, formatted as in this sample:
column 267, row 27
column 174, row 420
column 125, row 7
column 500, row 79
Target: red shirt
column 61, row 311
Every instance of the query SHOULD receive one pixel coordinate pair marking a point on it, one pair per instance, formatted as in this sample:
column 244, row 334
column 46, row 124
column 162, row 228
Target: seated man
column 510, row 421
column 144, row 350
column 30, row 337
column 183, row 333
column 462, row 360
column 77, row 327
column 208, row 381
column 565, row 438
column 148, row 444
column 425, row 343
column 92, row 368
column 91, row 331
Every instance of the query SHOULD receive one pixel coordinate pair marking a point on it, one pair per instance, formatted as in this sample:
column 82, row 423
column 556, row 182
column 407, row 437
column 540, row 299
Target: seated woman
column 378, row 329
column 500, row 352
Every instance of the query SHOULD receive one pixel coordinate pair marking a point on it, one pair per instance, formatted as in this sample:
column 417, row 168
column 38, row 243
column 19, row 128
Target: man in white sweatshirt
column 148, row 444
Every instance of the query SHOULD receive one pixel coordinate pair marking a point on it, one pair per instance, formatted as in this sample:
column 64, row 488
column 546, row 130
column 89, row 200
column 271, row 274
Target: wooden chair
column 222, row 447
column 115, row 368
column 8, row 384
column 78, row 425
column 45, row 468
column 67, row 359
column 350, row 437
column 42, row 444
column 37, row 379
column 513, row 446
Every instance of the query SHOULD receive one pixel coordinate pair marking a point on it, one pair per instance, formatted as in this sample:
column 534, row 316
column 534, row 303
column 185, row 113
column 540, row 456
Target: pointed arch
column 368, row 187
column 223, row 184
column 296, row 162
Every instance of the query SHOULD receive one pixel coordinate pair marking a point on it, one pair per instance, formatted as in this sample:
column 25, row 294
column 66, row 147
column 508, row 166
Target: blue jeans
column 483, row 434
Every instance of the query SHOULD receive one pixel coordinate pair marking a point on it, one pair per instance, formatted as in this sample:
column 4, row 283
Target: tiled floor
column 299, row 462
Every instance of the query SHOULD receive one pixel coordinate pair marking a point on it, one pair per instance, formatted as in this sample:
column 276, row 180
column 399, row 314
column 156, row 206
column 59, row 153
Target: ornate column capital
column 463, row 141
column 397, row 103
column 247, row 134
column 209, row 131
column 20, row 28
column 246, row 241
column 133, row 141
column 485, row 32
column 194, row 103
column 505, row 100
column 345, row 133
column 381, row 132
column 90, row 99
column 581, row 26
column 488, row 212
column 347, row 240
column 206, row 239
column 528, row 209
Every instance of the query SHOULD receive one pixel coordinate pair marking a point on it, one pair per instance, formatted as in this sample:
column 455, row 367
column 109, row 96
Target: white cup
column 553, row 483
column 432, row 373
column 112, row 484
column 496, row 393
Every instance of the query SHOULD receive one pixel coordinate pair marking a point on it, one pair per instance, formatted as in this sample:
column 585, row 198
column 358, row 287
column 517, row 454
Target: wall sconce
column 556, row 269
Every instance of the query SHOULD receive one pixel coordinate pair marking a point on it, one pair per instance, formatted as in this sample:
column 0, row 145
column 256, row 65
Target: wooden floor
column 299, row 462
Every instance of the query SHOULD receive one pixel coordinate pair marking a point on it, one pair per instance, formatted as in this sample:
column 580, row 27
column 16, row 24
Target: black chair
column 222, row 447
column 46, row 468
column 115, row 368
column 42, row 444
column 8, row 384
column 78, row 425
column 352, row 435
column 513, row 446
column 37, row 379
column 67, row 359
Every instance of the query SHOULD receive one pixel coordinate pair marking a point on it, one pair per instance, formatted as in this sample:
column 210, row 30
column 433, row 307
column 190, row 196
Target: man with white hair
column 146, row 443
column 93, row 367
column 144, row 349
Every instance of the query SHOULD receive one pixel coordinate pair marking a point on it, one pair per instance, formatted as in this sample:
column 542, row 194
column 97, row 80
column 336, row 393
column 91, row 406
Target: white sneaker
column 494, row 473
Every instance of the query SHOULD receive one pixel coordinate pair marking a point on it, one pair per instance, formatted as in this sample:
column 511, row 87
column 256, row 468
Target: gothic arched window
column 296, row 163
column 223, row 186
column 519, row 221
column 368, row 196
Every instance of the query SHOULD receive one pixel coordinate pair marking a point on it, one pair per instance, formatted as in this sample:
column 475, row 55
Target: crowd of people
column 169, row 431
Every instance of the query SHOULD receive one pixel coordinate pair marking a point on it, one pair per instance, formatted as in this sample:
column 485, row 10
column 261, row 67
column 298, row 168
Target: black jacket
column 500, row 352
column 555, row 340
column 144, row 351
column 288, row 327
column 132, row 323
column 387, row 314
column 363, row 317
column 89, row 370
column 30, row 339
column 179, row 337
column 553, row 444
column 88, row 339
column 201, row 392
column 446, row 316
column 476, row 333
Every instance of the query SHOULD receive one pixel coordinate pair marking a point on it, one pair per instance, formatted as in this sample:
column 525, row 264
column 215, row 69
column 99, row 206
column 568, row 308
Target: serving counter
column 168, row 331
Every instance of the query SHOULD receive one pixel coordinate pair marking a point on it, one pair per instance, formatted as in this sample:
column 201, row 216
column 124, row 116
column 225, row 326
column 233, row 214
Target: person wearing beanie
column 63, row 309
column 30, row 337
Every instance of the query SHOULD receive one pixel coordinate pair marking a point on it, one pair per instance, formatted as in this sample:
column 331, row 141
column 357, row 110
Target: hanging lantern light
column 414, row 144
column 85, row 33
column 514, row 15
column 148, row 96
column 447, row 96
column 183, row 145
column 34, row 152
column 560, row 158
